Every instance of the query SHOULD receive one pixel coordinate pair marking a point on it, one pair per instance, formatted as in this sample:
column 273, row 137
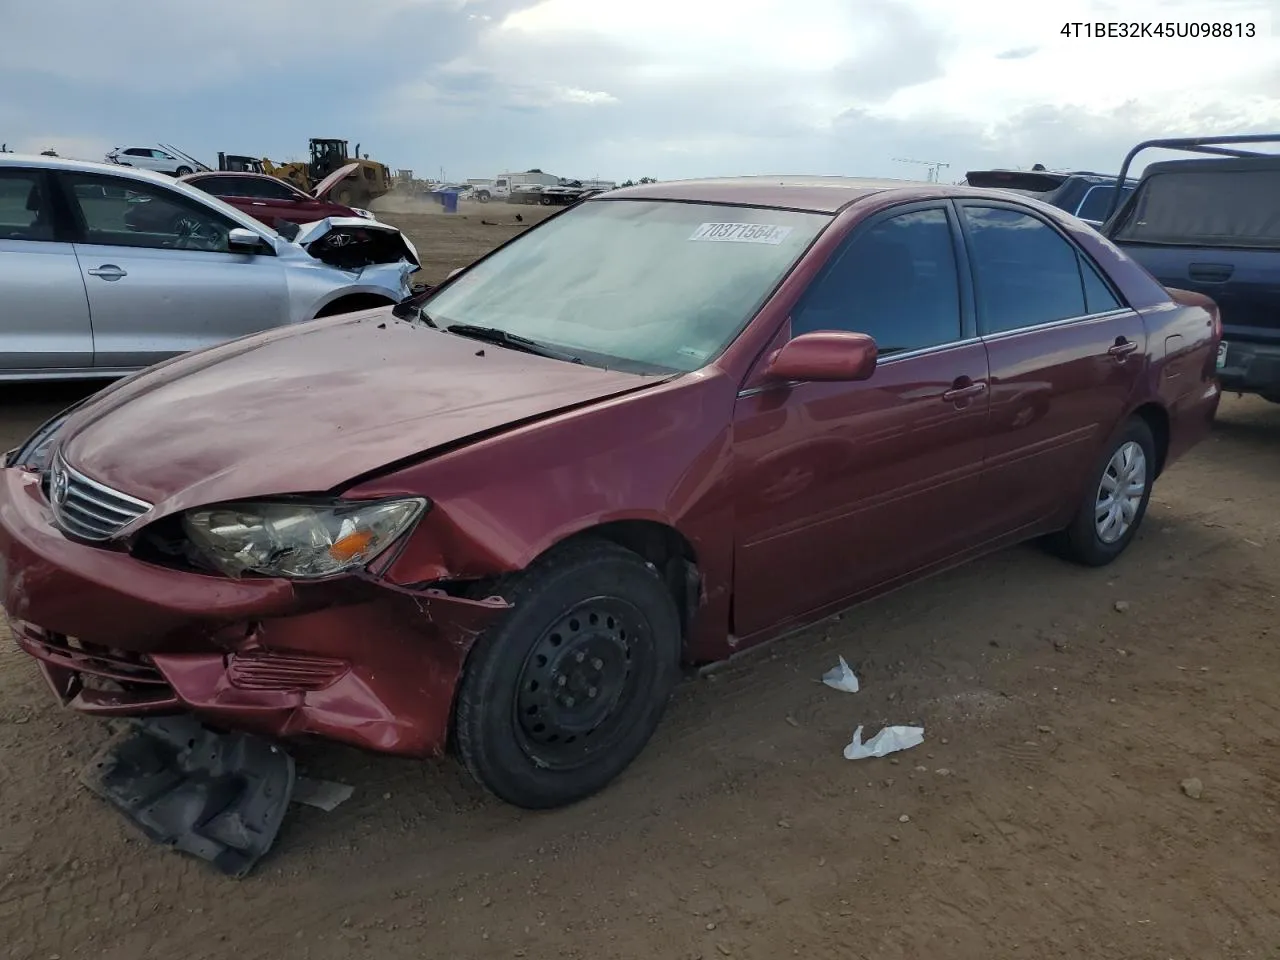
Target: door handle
column 1122, row 348
column 108, row 271
column 962, row 389
column 1210, row 272
column 257, row 203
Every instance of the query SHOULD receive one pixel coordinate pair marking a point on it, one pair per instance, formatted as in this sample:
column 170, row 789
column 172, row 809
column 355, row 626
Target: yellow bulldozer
column 368, row 180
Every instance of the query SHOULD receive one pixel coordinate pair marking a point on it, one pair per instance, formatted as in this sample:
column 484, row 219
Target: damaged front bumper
column 355, row 660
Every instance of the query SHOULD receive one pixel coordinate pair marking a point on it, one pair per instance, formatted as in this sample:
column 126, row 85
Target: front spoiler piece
column 219, row 797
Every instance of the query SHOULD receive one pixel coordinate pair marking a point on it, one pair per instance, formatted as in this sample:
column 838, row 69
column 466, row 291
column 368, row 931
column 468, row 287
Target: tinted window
column 1097, row 202
column 1024, row 271
column 218, row 186
column 25, row 213
column 895, row 282
column 127, row 213
column 137, row 152
column 270, row 188
column 1098, row 297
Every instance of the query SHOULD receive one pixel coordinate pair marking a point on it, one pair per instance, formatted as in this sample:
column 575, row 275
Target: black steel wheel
column 564, row 692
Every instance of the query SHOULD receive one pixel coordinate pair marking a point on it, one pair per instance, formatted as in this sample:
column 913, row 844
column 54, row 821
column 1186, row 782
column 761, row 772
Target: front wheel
column 183, row 171
column 562, row 693
column 482, row 197
column 1115, row 501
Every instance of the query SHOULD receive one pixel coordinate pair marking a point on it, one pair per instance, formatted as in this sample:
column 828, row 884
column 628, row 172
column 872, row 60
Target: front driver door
column 160, row 275
column 843, row 488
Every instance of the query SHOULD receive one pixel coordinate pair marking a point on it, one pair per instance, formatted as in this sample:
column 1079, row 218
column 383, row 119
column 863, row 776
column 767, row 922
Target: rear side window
column 1229, row 208
column 1097, row 202
column 25, row 212
column 895, row 282
column 1025, row 272
column 1098, row 297
column 218, row 186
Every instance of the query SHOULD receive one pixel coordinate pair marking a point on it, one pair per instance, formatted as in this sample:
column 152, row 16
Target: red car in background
column 269, row 198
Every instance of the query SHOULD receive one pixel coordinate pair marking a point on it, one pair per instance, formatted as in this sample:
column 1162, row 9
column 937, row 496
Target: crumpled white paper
column 841, row 678
column 887, row 741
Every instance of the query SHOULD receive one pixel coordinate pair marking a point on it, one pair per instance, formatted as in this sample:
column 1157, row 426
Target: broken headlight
column 298, row 541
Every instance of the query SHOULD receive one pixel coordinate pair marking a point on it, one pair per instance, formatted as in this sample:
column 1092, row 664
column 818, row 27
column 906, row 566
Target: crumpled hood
column 317, row 238
column 303, row 409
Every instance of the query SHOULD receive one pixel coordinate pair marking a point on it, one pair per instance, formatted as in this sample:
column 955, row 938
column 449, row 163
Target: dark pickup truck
column 1212, row 225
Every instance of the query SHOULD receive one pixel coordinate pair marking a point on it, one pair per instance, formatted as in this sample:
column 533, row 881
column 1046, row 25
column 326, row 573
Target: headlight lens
column 360, row 212
column 296, row 540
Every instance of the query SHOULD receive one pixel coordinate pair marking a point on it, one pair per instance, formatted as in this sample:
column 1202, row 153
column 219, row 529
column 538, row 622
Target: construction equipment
column 933, row 165
column 373, row 179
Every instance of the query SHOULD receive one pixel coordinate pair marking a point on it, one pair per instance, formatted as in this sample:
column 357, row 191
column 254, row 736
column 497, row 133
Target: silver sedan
column 104, row 271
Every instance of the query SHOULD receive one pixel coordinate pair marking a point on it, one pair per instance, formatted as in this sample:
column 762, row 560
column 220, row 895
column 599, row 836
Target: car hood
column 330, row 240
column 304, row 409
column 325, row 186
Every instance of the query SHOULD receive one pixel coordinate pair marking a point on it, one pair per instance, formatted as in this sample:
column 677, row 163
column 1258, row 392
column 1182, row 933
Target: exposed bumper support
column 219, row 797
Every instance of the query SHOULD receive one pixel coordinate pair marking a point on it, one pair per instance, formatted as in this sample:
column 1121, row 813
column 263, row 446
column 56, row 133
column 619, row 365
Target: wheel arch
column 660, row 544
column 351, row 302
column 1156, row 418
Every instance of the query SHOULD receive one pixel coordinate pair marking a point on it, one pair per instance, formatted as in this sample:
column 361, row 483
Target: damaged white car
column 104, row 270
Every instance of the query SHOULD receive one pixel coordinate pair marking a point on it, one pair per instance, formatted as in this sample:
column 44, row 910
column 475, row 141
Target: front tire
column 183, row 171
column 1115, row 501
column 561, row 694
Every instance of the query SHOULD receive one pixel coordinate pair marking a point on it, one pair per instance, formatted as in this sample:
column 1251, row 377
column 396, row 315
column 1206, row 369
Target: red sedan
column 665, row 425
column 270, row 199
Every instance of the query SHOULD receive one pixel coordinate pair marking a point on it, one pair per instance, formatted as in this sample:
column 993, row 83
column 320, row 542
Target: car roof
column 38, row 161
column 809, row 194
column 81, row 166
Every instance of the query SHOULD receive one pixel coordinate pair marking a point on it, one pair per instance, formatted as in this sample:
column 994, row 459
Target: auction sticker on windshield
column 741, row 233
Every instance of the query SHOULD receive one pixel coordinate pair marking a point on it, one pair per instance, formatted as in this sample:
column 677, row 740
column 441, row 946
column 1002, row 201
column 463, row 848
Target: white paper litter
column 887, row 741
column 841, row 678
column 322, row 794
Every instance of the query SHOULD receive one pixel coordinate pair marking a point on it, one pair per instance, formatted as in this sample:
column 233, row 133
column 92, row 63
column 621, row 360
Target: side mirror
column 241, row 240
column 825, row 355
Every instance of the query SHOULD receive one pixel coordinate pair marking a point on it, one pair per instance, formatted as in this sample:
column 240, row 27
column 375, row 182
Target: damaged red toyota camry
column 667, row 424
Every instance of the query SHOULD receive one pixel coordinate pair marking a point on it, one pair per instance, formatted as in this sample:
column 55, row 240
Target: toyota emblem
column 58, row 486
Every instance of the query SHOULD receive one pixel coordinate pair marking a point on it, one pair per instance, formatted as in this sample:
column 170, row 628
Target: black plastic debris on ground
column 219, row 797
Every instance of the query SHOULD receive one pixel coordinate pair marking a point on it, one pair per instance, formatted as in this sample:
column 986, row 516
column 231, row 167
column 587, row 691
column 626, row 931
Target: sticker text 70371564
column 741, row 233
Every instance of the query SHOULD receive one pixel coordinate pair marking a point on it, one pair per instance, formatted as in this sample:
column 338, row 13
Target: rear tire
column 560, row 695
column 1113, row 507
column 482, row 197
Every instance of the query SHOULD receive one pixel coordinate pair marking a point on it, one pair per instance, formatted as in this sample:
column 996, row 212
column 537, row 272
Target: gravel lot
column 1045, row 815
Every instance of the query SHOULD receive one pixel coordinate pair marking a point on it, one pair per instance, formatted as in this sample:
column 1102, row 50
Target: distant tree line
column 632, row 183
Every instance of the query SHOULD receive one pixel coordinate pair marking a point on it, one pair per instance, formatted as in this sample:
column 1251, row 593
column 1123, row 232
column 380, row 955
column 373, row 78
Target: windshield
column 645, row 284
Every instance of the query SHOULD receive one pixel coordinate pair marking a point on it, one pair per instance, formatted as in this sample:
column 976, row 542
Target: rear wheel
column 1115, row 501
column 564, row 692
column 482, row 197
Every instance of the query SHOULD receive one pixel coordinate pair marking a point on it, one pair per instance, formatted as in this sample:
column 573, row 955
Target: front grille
column 87, row 509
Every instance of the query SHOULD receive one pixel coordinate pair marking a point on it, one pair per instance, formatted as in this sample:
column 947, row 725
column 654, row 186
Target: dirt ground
column 1043, row 817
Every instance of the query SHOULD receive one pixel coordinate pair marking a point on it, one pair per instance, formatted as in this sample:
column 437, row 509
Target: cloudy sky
column 621, row 88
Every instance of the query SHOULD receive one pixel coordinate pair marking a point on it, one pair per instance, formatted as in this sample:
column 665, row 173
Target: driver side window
column 128, row 213
column 895, row 281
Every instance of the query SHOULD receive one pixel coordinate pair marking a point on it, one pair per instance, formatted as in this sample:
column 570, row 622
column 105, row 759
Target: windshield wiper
column 512, row 341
